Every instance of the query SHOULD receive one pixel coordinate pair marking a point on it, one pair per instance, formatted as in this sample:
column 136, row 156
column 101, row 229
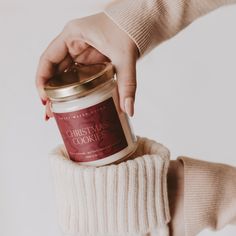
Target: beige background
column 186, row 100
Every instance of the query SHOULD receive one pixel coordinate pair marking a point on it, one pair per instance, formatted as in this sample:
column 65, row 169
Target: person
column 201, row 194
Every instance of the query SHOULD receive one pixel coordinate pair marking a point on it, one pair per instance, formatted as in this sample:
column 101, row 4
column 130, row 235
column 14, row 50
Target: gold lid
column 78, row 80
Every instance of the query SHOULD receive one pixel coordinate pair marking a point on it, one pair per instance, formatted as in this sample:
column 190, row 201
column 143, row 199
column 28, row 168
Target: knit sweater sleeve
column 150, row 22
column 209, row 195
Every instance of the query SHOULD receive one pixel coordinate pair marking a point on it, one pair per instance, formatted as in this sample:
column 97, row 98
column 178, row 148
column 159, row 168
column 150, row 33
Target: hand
column 90, row 40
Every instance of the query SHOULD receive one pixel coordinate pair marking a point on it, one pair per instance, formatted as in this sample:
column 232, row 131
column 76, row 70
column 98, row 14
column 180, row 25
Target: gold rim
column 78, row 80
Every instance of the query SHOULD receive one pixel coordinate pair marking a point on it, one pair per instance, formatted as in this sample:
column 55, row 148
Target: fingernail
column 47, row 117
column 129, row 106
column 44, row 102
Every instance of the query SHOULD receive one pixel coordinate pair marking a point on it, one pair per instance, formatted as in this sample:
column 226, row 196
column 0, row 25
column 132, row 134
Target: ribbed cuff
column 209, row 195
column 148, row 23
column 129, row 198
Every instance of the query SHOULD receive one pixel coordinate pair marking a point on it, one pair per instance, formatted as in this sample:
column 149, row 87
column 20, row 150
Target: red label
column 92, row 133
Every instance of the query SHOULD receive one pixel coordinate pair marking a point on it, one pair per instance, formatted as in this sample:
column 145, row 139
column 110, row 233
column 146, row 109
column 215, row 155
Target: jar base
column 103, row 162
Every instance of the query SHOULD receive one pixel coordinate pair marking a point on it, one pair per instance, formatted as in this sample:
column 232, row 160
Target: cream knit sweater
column 130, row 198
column 126, row 199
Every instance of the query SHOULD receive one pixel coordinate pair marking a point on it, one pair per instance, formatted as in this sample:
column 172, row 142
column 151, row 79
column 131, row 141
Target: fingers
column 64, row 64
column 59, row 55
column 126, row 78
column 53, row 55
column 91, row 56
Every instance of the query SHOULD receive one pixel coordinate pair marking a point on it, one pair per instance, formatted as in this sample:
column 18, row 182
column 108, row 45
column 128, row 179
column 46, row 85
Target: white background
column 186, row 100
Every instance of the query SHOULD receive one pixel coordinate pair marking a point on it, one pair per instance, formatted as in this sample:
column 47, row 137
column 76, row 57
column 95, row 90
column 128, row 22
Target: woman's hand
column 90, row 40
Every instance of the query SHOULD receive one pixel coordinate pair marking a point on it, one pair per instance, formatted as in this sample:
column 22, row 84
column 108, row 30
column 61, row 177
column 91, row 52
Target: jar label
column 92, row 133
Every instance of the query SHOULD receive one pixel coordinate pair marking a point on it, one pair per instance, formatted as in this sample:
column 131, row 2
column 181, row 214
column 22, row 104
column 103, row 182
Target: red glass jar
column 85, row 103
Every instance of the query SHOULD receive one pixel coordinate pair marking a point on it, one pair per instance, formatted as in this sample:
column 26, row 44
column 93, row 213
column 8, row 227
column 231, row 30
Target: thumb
column 126, row 79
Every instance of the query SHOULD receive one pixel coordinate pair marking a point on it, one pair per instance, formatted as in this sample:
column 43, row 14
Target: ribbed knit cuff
column 129, row 198
column 150, row 22
column 147, row 22
column 209, row 195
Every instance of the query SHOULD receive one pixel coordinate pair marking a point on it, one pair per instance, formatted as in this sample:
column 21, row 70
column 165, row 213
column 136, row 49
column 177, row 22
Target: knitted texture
column 150, row 22
column 129, row 198
column 209, row 195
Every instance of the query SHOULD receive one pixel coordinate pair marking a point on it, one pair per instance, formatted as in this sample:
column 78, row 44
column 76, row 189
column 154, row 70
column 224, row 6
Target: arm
column 201, row 195
column 128, row 26
column 150, row 22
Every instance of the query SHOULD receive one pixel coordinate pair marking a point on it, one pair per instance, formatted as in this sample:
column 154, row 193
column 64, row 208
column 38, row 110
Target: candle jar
column 85, row 103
